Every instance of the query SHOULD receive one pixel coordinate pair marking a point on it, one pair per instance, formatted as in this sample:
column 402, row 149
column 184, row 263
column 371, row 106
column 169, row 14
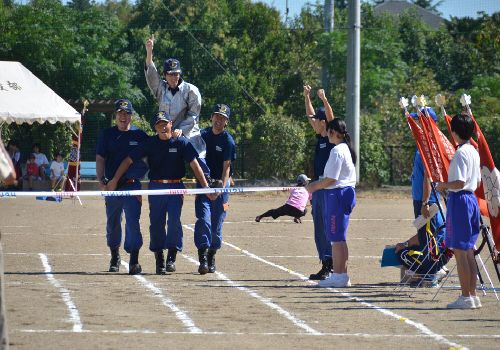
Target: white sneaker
column 462, row 303
column 336, row 280
column 441, row 274
column 477, row 302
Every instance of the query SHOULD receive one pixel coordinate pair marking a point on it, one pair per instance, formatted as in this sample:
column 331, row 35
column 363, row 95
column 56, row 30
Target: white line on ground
column 166, row 301
column 266, row 301
column 232, row 255
column 147, row 331
column 422, row 328
column 74, row 315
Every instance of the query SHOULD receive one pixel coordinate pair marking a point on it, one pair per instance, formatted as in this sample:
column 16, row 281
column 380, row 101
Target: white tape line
column 299, row 323
column 166, row 301
column 266, row 301
column 160, row 192
column 355, row 335
column 74, row 315
column 422, row 328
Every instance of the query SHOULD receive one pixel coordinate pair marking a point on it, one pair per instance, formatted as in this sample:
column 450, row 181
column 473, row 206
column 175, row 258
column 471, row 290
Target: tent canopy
column 26, row 99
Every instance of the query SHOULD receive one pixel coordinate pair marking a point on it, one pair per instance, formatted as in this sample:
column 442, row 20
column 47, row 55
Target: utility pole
column 353, row 73
column 328, row 11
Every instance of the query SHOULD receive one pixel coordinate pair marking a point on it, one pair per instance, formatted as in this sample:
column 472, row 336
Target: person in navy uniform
column 221, row 152
column 166, row 156
column 318, row 121
column 113, row 145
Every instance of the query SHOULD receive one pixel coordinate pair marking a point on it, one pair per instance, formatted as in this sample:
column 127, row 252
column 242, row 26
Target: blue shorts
column 338, row 205
column 462, row 220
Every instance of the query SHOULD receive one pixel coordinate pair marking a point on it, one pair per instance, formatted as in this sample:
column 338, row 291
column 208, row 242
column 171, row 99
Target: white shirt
column 465, row 167
column 40, row 159
column 340, row 167
column 57, row 169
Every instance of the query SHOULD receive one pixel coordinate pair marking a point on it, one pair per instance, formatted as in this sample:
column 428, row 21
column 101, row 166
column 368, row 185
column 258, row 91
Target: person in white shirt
column 339, row 181
column 57, row 178
column 463, row 215
column 40, row 159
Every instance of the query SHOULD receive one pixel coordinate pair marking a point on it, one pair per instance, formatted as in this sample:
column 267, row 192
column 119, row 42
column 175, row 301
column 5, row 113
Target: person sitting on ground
column 295, row 206
column 31, row 171
column 57, row 178
column 414, row 254
column 41, row 160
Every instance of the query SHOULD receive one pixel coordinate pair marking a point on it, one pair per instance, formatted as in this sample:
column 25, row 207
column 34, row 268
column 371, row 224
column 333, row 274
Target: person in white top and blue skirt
column 462, row 215
column 339, row 181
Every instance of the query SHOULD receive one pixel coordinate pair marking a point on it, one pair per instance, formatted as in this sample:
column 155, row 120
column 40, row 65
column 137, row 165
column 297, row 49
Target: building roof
column 395, row 7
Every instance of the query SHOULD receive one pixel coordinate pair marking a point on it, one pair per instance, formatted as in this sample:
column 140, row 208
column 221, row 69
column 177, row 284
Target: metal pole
column 328, row 11
column 353, row 74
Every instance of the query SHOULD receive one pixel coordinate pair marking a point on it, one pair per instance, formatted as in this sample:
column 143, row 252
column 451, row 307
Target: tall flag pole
column 490, row 176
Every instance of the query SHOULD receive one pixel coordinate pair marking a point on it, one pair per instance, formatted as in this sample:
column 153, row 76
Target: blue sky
column 457, row 8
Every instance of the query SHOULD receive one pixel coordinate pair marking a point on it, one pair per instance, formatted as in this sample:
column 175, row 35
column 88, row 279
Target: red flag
column 489, row 190
column 444, row 149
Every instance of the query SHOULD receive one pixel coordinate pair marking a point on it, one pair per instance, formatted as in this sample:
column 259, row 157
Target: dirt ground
column 59, row 295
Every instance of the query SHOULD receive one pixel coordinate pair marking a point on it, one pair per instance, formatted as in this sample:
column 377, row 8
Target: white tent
column 26, row 99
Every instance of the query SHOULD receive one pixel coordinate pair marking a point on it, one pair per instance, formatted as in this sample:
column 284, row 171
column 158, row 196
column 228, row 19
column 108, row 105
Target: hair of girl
column 339, row 126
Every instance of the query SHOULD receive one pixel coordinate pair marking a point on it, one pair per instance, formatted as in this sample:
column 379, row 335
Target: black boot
column 134, row 268
column 160, row 263
column 326, row 268
column 211, row 260
column 170, row 265
column 202, row 256
column 114, row 263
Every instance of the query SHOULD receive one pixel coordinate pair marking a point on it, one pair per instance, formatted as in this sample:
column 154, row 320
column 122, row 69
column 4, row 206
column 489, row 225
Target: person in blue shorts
column 113, row 145
column 221, row 152
column 318, row 121
column 166, row 156
column 462, row 215
column 339, row 181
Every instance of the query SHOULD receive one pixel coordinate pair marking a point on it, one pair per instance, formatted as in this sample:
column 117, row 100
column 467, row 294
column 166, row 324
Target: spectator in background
column 40, row 159
column 32, row 171
column 57, row 178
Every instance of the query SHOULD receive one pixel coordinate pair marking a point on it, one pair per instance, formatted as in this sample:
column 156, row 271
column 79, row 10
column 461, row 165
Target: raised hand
column 307, row 90
column 150, row 43
column 321, row 94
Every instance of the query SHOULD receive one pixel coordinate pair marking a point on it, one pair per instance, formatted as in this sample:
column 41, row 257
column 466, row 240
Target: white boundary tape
column 419, row 326
column 166, row 301
column 74, row 315
column 161, row 192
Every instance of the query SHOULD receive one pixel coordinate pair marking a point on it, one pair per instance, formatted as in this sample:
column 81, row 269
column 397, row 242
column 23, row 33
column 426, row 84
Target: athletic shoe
column 211, row 260
column 297, row 220
column 134, row 269
column 336, row 280
column 477, row 302
column 462, row 303
column 326, row 269
column 114, row 263
column 441, row 273
column 257, row 218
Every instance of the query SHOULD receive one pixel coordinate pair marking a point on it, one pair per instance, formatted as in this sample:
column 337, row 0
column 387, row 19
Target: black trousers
column 286, row 209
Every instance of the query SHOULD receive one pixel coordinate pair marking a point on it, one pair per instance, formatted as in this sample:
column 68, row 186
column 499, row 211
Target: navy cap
column 162, row 117
column 222, row 109
column 320, row 113
column 124, row 105
column 172, row 66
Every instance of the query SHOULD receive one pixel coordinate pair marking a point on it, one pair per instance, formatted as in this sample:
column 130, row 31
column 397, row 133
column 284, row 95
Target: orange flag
column 426, row 149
